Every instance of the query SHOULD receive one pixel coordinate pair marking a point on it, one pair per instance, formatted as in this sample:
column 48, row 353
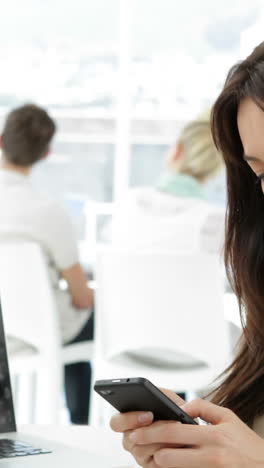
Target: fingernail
column 133, row 436
column 145, row 417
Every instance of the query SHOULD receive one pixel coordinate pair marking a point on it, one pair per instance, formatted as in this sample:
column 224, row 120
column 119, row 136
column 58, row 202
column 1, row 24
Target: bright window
column 121, row 77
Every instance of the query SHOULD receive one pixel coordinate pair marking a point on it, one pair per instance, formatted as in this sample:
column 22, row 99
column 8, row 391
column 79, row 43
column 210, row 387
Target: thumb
column 207, row 411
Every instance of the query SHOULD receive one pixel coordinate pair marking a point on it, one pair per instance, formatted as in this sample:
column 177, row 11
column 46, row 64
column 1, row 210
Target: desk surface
column 96, row 440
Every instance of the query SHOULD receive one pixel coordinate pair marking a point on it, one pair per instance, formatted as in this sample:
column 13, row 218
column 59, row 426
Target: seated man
column 26, row 214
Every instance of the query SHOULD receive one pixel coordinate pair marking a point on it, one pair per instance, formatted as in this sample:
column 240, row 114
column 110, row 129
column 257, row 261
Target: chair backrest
column 163, row 300
column 26, row 294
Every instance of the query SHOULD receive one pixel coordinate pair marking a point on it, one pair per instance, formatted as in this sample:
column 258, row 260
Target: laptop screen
column 7, row 415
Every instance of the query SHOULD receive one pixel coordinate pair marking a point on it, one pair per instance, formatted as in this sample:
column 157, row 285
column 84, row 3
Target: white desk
column 96, row 440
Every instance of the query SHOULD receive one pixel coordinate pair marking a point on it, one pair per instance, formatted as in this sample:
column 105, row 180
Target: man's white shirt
column 29, row 215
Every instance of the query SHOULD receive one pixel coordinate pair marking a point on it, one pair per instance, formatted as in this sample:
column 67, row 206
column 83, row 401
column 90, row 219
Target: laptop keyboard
column 12, row 448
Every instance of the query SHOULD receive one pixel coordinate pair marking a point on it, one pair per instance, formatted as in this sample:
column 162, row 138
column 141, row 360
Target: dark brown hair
column 242, row 389
column 26, row 136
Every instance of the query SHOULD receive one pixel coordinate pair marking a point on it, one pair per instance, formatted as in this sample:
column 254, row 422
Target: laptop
column 18, row 450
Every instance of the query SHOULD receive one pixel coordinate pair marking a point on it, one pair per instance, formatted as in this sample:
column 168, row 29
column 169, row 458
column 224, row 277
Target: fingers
column 143, row 454
column 209, row 412
column 168, row 432
column 173, row 396
column 132, row 420
column 127, row 421
column 151, row 464
column 193, row 458
column 181, row 458
column 128, row 444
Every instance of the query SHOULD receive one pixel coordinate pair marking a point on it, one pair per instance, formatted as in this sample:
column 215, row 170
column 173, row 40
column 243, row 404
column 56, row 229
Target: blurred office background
column 121, row 77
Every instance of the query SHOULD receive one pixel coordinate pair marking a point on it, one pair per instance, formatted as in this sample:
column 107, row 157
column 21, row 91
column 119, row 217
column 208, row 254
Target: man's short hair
column 26, row 136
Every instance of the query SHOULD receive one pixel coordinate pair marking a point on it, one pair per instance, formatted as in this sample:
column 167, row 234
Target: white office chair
column 29, row 312
column 151, row 306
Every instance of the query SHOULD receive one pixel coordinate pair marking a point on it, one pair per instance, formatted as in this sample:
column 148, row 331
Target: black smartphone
column 139, row 394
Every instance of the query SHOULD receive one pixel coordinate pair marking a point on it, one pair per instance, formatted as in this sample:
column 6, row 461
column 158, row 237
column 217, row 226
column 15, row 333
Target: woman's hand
column 227, row 442
column 127, row 422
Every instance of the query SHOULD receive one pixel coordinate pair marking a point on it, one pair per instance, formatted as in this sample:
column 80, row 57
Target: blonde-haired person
column 195, row 153
column 176, row 213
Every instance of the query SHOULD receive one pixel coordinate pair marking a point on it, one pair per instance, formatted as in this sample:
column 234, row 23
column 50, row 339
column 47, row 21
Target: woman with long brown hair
column 234, row 439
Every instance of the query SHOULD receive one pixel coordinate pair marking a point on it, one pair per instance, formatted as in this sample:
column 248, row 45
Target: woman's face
column 250, row 120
